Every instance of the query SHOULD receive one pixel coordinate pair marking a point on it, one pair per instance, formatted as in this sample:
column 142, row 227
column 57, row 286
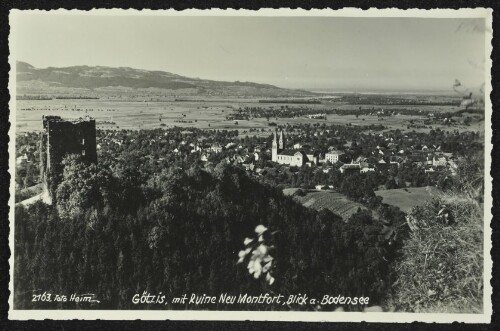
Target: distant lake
column 337, row 92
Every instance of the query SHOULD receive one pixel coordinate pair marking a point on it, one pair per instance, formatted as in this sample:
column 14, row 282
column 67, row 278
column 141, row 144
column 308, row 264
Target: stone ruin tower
column 62, row 137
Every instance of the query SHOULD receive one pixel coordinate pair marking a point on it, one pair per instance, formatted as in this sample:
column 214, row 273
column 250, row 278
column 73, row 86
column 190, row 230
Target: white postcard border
column 484, row 317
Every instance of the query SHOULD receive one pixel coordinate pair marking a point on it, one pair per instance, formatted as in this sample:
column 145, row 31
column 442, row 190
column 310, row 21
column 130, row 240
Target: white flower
column 247, row 241
column 262, row 249
column 270, row 279
column 268, row 258
column 243, row 254
column 257, row 266
column 260, row 229
column 250, row 266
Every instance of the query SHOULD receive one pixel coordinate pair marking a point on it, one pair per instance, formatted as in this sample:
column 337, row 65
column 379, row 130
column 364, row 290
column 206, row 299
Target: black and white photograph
column 289, row 165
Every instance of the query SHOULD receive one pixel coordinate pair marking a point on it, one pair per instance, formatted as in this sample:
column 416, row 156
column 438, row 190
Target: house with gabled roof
column 350, row 168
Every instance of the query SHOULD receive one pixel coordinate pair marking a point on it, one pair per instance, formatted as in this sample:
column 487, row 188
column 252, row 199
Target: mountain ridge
column 93, row 77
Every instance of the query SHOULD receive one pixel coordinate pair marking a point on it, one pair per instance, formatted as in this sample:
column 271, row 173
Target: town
column 306, row 156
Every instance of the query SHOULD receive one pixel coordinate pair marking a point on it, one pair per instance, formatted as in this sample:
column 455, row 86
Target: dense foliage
column 153, row 217
column 180, row 232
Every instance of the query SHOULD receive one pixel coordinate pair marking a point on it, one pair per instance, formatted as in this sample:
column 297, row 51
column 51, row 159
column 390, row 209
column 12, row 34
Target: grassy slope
column 441, row 268
column 408, row 198
column 333, row 201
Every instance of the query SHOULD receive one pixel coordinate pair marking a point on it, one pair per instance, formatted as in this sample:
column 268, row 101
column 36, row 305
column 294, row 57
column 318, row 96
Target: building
column 291, row 157
column 364, row 170
column 439, row 160
column 350, row 168
column 216, row 148
column 323, row 187
column 278, row 146
column 60, row 138
column 249, row 166
column 333, row 156
column 301, row 146
column 396, row 161
column 364, row 162
column 429, row 170
column 312, row 157
column 327, row 170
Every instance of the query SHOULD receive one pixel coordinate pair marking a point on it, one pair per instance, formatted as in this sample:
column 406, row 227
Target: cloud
column 471, row 96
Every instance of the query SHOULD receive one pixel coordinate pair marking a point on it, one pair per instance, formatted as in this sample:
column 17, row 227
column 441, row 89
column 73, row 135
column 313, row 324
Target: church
column 291, row 157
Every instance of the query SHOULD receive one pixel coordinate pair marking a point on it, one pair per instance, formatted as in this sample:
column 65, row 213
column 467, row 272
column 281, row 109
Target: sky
column 315, row 53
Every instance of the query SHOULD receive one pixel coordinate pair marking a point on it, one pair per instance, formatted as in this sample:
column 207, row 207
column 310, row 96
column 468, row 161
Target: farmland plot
column 333, row 201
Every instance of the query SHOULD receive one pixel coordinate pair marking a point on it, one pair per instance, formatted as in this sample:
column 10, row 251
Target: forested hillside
column 115, row 234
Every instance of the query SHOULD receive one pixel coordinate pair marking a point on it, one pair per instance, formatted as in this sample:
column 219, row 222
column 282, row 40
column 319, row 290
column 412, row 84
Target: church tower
column 281, row 143
column 278, row 146
column 274, row 153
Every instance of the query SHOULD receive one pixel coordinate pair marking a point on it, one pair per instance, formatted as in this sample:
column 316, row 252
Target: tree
column 391, row 183
column 82, row 187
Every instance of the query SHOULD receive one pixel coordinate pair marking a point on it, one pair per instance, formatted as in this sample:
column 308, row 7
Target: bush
column 300, row 192
column 441, row 267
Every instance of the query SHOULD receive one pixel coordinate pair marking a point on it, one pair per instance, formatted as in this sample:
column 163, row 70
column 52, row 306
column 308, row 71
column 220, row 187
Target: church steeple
column 278, row 145
column 281, row 143
column 274, row 149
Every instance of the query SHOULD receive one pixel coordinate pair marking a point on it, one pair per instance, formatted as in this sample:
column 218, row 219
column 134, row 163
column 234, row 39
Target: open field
column 203, row 114
column 408, row 198
column 333, row 201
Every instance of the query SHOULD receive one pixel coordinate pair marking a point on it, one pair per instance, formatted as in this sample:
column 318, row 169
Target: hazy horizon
column 325, row 90
column 311, row 53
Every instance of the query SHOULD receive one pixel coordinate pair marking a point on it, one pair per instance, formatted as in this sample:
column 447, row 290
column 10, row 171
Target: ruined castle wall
column 61, row 138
